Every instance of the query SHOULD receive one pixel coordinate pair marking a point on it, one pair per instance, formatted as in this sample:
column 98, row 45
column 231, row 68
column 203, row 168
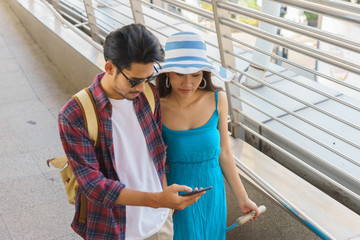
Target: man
column 123, row 177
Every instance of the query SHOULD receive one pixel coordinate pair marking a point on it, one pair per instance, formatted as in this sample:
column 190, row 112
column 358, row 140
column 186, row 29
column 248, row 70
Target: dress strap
column 216, row 100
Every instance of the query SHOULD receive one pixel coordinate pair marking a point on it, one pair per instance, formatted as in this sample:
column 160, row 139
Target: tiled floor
column 33, row 204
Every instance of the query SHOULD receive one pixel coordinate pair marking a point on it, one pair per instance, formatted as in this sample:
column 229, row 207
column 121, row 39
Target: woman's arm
column 227, row 161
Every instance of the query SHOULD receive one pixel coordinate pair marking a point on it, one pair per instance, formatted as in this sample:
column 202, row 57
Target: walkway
column 33, row 203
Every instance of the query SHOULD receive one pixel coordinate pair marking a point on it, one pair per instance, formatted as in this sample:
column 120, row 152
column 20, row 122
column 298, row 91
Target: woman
column 194, row 114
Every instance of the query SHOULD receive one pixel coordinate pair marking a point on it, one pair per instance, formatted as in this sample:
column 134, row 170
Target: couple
column 134, row 176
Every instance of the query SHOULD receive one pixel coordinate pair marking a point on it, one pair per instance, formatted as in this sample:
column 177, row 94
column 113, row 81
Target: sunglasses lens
column 134, row 84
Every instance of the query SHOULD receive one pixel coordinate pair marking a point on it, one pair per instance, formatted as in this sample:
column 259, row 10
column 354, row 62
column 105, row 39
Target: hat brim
column 193, row 67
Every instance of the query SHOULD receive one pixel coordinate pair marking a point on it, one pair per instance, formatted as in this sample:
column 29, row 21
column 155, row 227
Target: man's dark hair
column 132, row 44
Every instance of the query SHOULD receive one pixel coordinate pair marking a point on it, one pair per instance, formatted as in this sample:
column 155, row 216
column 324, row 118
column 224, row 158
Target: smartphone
column 194, row 192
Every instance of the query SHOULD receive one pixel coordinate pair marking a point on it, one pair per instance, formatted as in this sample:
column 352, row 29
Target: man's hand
column 170, row 198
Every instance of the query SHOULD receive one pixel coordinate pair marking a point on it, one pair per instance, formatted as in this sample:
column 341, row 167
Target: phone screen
column 194, row 192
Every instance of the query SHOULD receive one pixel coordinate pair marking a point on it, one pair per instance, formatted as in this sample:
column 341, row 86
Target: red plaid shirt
column 94, row 169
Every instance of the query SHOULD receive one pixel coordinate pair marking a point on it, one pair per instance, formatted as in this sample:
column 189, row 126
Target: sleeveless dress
column 193, row 158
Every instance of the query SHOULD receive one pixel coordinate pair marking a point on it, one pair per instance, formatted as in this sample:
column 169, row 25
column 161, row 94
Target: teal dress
column 193, row 158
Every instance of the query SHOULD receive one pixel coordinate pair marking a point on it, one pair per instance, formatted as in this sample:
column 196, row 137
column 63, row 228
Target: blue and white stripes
column 185, row 53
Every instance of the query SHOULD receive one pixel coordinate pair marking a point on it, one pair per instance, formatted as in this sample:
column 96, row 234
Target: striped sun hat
column 185, row 53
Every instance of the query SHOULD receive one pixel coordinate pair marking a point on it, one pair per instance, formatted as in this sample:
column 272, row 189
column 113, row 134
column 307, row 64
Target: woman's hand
column 248, row 206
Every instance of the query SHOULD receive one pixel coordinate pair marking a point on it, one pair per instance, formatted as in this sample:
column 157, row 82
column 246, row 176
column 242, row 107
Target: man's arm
column 168, row 198
column 82, row 158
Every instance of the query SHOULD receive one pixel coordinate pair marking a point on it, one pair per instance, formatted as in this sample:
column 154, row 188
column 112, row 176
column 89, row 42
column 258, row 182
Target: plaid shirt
column 94, row 169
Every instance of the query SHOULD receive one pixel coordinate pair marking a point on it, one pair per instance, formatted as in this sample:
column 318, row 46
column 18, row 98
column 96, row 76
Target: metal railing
column 265, row 106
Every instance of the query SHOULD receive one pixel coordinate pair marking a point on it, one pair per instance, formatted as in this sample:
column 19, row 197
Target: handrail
column 72, row 5
column 305, row 86
column 286, row 124
column 112, row 8
column 335, row 185
column 107, row 24
column 297, row 66
column 74, row 12
column 193, row 9
column 340, row 11
column 117, row 1
column 295, row 27
column 176, row 16
column 69, row 25
column 284, row 202
column 178, row 29
column 76, row 21
column 109, row 16
column 346, row 6
column 302, row 48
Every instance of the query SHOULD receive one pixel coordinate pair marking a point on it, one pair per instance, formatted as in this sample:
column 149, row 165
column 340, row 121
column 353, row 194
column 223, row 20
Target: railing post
column 226, row 44
column 56, row 5
column 136, row 9
column 94, row 29
column 192, row 16
column 273, row 9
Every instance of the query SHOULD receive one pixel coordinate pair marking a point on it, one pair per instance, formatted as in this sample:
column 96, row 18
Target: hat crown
column 185, row 53
column 185, row 45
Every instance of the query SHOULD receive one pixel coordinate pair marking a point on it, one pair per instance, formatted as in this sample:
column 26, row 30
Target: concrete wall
column 78, row 60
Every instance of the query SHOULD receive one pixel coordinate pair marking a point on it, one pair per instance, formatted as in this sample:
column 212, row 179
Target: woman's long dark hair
column 163, row 90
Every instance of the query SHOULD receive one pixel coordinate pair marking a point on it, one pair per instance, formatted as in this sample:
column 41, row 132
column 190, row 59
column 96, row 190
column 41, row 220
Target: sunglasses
column 134, row 83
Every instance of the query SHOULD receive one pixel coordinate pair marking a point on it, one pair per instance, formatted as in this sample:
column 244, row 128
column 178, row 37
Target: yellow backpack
column 88, row 108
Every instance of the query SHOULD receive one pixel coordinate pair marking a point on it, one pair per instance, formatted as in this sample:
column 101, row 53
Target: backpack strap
column 149, row 94
column 91, row 121
column 88, row 108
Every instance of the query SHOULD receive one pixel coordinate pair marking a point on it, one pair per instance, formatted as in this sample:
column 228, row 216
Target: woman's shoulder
column 212, row 96
column 221, row 95
column 222, row 100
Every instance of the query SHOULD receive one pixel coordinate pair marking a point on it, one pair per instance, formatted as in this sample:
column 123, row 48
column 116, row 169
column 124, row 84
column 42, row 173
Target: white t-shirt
column 135, row 169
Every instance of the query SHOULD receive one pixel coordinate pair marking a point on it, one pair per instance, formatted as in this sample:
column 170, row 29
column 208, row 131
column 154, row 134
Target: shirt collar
column 100, row 98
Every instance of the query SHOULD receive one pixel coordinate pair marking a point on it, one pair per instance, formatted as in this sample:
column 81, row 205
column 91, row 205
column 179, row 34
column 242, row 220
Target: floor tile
column 33, row 121
column 4, row 234
column 35, row 139
column 13, row 79
column 42, row 222
column 15, row 167
column 17, row 109
column 25, row 193
column 41, row 156
column 16, row 94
